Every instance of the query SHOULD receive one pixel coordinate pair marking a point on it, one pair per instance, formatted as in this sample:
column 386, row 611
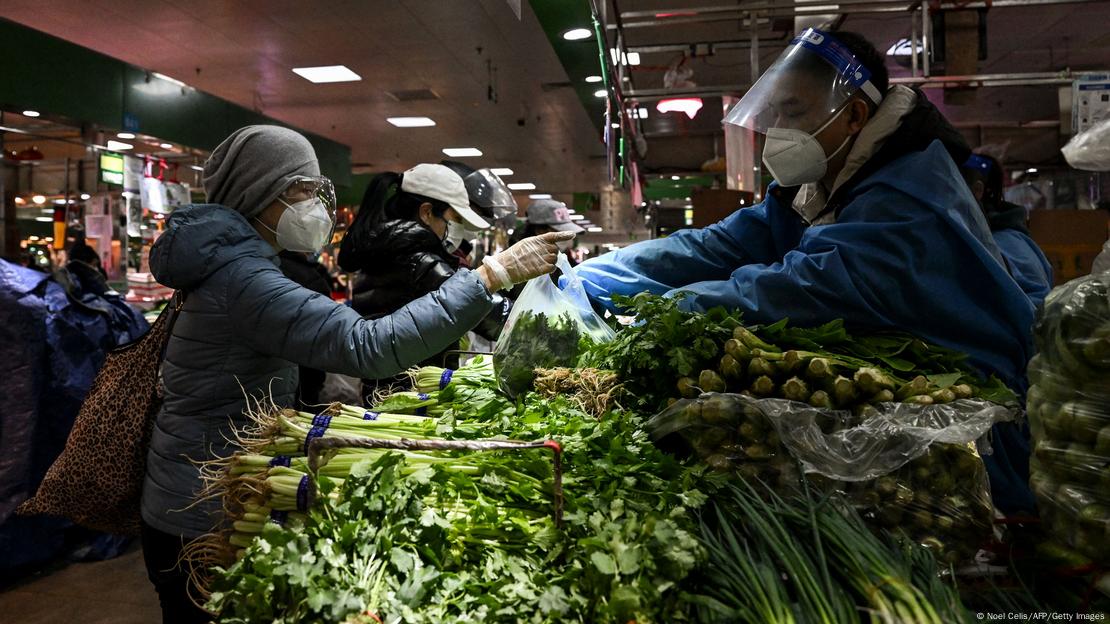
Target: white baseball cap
column 439, row 182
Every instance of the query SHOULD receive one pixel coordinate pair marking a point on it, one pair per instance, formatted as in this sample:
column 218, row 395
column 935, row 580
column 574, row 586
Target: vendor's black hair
column 869, row 57
column 992, row 180
column 383, row 201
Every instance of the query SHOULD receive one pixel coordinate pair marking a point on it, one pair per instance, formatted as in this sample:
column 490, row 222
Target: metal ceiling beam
column 648, row 95
column 855, row 7
column 990, row 80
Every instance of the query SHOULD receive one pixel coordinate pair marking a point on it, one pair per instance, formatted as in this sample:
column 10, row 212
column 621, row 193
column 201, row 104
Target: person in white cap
column 402, row 239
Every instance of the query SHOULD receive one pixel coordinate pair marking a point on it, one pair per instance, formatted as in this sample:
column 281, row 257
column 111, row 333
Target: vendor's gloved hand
column 529, row 258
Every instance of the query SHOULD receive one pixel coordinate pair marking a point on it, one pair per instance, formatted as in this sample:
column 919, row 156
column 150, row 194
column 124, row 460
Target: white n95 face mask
column 304, row 226
column 796, row 157
column 456, row 234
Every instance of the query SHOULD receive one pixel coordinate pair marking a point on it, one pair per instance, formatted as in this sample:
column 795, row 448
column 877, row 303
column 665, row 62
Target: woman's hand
column 523, row 261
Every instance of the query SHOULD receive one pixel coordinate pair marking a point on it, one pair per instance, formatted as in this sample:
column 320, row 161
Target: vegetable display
column 886, row 465
column 696, row 514
column 1069, row 414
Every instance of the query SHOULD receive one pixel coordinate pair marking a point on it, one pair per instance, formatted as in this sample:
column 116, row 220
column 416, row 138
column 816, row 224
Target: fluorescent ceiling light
column 30, row 113
column 593, row 79
column 462, row 152
column 629, row 58
column 170, row 80
column 411, row 122
column 674, row 177
column 601, row 93
column 540, row 196
column 501, row 171
column 196, row 168
column 522, row 186
column 126, row 135
column 116, row 146
column 60, row 201
column 166, row 145
column 577, row 34
column 615, row 126
column 85, row 196
column 327, row 73
column 577, row 217
column 1031, row 170
column 595, row 229
column 39, row 199
column 640, row 113
column 44, row 219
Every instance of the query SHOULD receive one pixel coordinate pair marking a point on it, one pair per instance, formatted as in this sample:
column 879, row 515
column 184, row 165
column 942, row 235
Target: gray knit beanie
column 254, row 165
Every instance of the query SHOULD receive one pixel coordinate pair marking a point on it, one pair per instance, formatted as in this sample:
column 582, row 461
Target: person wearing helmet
column 489, row 196
column 868, row 220
column 401, row 243
column 1027, row 263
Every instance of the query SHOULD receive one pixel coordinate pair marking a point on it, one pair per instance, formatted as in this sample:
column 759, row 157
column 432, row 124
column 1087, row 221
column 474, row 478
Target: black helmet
column 489, row 196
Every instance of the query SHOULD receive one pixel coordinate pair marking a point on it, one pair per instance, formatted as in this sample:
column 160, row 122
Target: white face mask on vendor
column 796, row 157
column 304, row 226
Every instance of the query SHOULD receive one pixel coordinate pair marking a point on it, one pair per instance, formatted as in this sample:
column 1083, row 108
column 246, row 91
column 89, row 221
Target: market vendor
column 245, row 327
column 869, row 220
column 1027, row 263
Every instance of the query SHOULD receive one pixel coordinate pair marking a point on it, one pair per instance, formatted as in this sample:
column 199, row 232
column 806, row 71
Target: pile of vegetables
column 433, row 535
column 810, row 559
column 1069, row 414
column 938, row 496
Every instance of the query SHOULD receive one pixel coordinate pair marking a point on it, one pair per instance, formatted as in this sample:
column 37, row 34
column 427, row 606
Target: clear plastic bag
column 1090, row 150
column 907, row 467
column 547, row 328
column 1069, row 414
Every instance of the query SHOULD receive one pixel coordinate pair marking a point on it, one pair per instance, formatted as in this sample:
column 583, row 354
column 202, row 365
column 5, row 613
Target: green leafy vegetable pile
column 537, row 341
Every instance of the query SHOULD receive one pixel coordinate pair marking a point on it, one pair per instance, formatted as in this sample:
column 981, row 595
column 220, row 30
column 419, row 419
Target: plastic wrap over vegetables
column 547, row 328
column 907, row 467
column 1069, row 414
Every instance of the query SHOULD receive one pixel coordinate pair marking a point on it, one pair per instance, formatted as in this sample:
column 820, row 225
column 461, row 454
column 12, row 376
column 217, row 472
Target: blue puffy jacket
column 242, row 332
column 1026, row 261
column 910, row 250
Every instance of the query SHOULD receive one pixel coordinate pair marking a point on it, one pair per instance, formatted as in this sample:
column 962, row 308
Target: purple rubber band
column 371, row 415
column 302, row 494
column 279, row 517
column 422, row 411
column 445, row 378
column 280, row 460
column 321, row 421
column 315, row 432
column 422, row 397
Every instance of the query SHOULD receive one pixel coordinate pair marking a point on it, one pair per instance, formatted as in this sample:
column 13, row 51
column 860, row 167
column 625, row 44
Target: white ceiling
column 243, row 51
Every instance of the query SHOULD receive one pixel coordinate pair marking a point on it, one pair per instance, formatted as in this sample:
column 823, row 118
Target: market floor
column 114, row 591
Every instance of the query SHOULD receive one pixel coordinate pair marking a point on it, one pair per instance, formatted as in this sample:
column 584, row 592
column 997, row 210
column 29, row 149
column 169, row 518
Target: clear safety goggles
column 812, row 79
column 308, row 187
column 490, row 194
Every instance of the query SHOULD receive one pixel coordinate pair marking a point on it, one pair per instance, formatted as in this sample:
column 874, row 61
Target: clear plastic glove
column 529, row 258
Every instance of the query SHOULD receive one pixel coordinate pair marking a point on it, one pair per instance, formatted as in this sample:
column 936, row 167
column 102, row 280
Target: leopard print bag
column 97, row 481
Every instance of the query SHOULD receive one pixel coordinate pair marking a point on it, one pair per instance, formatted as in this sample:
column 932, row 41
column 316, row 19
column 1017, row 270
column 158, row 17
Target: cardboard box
column 1070, row 239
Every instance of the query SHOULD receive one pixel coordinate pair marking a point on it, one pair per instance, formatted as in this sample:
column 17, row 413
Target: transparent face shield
column 490, row 194
column 807, row 84
column 313, row 187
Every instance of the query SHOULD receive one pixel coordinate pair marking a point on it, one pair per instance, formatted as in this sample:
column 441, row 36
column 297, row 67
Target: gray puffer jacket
column 242, row 332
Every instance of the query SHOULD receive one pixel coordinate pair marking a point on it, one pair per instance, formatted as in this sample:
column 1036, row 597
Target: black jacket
column 399, row 261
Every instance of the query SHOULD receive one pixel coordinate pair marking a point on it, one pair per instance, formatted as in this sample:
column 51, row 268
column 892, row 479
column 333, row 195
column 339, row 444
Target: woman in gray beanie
column 245, row 327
